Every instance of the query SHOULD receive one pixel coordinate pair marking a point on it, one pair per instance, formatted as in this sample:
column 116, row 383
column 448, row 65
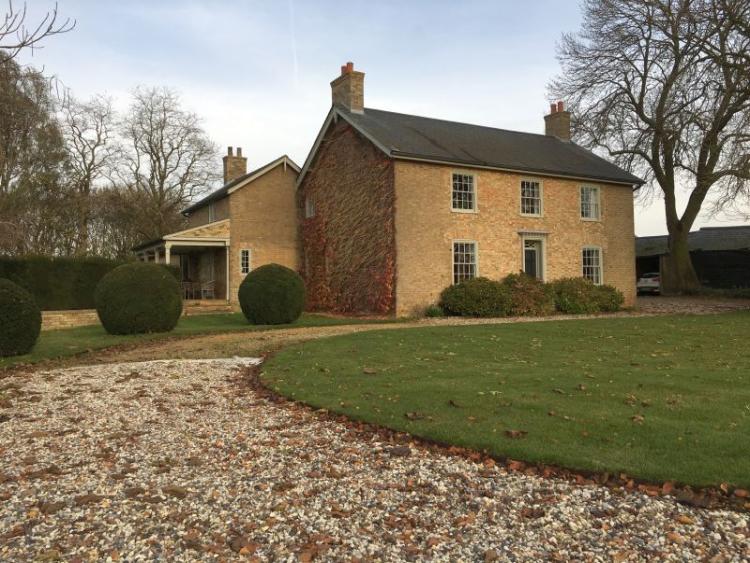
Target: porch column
column 227, row 280
column 167, row 254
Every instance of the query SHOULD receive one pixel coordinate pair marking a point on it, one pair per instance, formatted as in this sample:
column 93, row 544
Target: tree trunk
column 678, row 275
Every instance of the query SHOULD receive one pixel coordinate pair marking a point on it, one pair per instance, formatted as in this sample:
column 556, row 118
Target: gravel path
column 180, row 461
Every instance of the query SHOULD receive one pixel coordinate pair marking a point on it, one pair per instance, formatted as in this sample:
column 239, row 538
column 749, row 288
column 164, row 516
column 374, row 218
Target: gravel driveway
column 177, row 460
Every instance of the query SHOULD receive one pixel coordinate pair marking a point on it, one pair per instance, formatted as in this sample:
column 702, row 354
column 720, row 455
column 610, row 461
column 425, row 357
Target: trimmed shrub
column 434, row 311
column 272, row 295
column 138, row 297
column 529, row 297
column 608, row 298
column 479, row 297
column 576, row 296
column 20, row 320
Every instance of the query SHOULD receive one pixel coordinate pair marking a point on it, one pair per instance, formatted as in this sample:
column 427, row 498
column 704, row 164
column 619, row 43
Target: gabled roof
column 411, row 137
column 240, row 182
column 705, row 239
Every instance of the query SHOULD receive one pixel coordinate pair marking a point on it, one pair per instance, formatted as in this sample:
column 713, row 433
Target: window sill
column 533, row 215
column 469, row 211
column 591, row 220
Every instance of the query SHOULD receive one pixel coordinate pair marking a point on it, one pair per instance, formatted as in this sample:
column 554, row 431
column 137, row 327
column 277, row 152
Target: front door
column 532, row 258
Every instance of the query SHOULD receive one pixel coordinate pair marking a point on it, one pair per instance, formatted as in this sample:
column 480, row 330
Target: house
column 250, row 221
column 396, row 207
column 720, row 255
column 389, row 209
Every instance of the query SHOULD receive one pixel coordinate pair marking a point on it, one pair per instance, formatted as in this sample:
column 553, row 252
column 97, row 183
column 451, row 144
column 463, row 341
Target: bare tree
column 16, row 34
column 88, row 130
column 664, row 87
column 167, row 159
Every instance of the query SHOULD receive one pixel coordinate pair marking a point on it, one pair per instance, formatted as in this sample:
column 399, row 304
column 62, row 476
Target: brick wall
column 349, row 244
column 426, row 228
column 263, row 219
column 200, row 216
column 52, row 320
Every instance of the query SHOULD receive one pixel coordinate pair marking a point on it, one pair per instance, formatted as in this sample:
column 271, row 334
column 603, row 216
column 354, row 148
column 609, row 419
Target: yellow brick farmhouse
column 390, row 208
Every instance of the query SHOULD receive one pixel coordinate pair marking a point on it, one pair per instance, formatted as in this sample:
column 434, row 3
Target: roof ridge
column 471, row 124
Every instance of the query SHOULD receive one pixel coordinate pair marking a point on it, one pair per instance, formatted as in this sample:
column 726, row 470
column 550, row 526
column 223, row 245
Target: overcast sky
column 258, row 72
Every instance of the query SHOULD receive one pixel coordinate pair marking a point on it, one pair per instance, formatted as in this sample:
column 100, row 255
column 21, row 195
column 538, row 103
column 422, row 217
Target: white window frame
column 309, row 206
column 601, row 264
column 211, row 212
column 541, row 197
column 453, row 258
column 542, row 258
column 474, row 192
column 244, row 271
column 598, row 202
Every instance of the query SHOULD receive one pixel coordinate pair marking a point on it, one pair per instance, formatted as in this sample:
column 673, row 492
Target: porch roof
column 210, row 234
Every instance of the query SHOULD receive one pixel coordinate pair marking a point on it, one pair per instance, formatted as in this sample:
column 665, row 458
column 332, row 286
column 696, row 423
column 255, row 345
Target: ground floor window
column 464, row 261
column 592, row 264
column 245, row 261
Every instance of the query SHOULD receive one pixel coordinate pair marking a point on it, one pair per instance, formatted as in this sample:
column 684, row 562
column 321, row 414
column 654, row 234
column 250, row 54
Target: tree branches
column 16, row 34
column 664, row 87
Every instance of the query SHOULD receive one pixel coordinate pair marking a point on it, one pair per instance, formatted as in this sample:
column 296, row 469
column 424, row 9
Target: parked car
column 649, row 283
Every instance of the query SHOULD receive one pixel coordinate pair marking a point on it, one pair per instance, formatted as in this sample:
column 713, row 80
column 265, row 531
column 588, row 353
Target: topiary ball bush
column 20, row 320
column 272, row 295
column 530, row 297
column 138, row 298
column 478, row 297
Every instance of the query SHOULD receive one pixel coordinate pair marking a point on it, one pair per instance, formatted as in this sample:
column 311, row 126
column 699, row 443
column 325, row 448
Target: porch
column 203, row 262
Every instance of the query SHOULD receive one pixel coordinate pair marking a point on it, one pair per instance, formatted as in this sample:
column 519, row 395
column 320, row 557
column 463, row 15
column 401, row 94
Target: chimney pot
column 560, row 106
column 349, row 67
column 239, row 151
column 552, row 108
column 343, row 70
column 229, row 151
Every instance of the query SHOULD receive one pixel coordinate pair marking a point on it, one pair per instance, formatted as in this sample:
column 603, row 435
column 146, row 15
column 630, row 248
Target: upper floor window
column 464, row 193
column 464, row 261
column 211, row 213
column 309, row 207
column 590, row 205
column 592, row 264
column 244, row 261
column 531, row 197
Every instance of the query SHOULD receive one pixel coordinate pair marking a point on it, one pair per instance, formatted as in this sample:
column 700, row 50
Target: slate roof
column 705, row 239
column 224, row 190
column 412, row 136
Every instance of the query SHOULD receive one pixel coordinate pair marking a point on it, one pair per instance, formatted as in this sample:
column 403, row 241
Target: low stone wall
column 52, row 320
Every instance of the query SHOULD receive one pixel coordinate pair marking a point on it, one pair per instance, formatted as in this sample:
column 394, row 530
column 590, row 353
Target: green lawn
column 660, row 398
column 69, row 342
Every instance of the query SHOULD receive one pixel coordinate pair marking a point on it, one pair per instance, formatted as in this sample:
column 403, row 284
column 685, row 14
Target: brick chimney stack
column 348, row 90
column 235, row 165
column 557, row 123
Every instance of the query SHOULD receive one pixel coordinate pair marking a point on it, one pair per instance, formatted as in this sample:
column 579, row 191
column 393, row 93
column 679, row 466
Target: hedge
column 520, row 295
column 59, row 283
